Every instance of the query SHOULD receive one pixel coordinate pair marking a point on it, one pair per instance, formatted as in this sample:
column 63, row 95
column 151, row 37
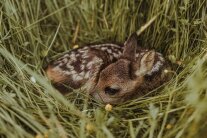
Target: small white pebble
column 33, row 79
column 108, row 107
column 166, row 71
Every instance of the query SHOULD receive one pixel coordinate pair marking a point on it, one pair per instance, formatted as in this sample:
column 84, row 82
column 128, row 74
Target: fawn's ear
column 130, row 47
column 145, row 64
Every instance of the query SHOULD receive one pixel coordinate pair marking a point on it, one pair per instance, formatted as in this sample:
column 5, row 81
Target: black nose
column 111, row 91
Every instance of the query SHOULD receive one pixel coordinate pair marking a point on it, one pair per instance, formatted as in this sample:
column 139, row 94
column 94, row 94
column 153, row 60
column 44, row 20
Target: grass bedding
column 33, row 30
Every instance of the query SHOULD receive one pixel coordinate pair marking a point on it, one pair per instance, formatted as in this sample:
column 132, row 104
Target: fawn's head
column 121, row 79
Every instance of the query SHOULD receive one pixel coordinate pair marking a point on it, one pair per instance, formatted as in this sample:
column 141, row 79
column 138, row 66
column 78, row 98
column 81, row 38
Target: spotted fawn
column 110, row 73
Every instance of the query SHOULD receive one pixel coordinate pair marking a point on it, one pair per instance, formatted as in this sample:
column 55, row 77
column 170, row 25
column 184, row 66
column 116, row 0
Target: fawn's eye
column 111, row 91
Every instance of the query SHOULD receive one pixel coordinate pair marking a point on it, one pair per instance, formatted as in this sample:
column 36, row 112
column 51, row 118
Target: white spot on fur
column 67, row 72
column 115, row 55
column 59, row 70
column 89, row 65
column 85, row 48
column 109, row 51
column 119, row 52
column 86, row 75
column 66, row 56
column 70, row 67
column 84, row 61
column 76, row 77
column 82, row 73
column 79, row 78
column 104, row 48
column 73, row 72
column 82, row 67
column 59, row 64
column 111, row 57
column 85, row 55
column 73, row 57
column 97, row 60
column 64, row 60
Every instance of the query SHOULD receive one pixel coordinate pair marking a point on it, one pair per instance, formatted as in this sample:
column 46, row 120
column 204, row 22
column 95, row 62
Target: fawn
column 109, row 72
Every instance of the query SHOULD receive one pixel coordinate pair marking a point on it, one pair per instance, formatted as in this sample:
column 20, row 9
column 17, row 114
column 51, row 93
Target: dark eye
column 111, row 91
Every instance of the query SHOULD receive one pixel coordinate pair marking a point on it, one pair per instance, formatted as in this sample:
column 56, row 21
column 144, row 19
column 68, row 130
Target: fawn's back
column 73, row 69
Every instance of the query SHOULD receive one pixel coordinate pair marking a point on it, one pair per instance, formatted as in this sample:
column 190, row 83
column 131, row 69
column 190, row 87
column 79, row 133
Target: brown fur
column 54, row 75
column 112, row 79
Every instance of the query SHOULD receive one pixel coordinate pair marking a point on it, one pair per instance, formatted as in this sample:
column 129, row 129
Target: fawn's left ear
column 130, row 47
column 146, row 63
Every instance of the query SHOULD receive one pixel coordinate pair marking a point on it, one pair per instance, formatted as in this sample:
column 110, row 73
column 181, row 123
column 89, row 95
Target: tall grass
column 32, row 31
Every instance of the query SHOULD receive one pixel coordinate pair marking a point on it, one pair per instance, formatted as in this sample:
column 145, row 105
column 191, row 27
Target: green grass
column 33, row 30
